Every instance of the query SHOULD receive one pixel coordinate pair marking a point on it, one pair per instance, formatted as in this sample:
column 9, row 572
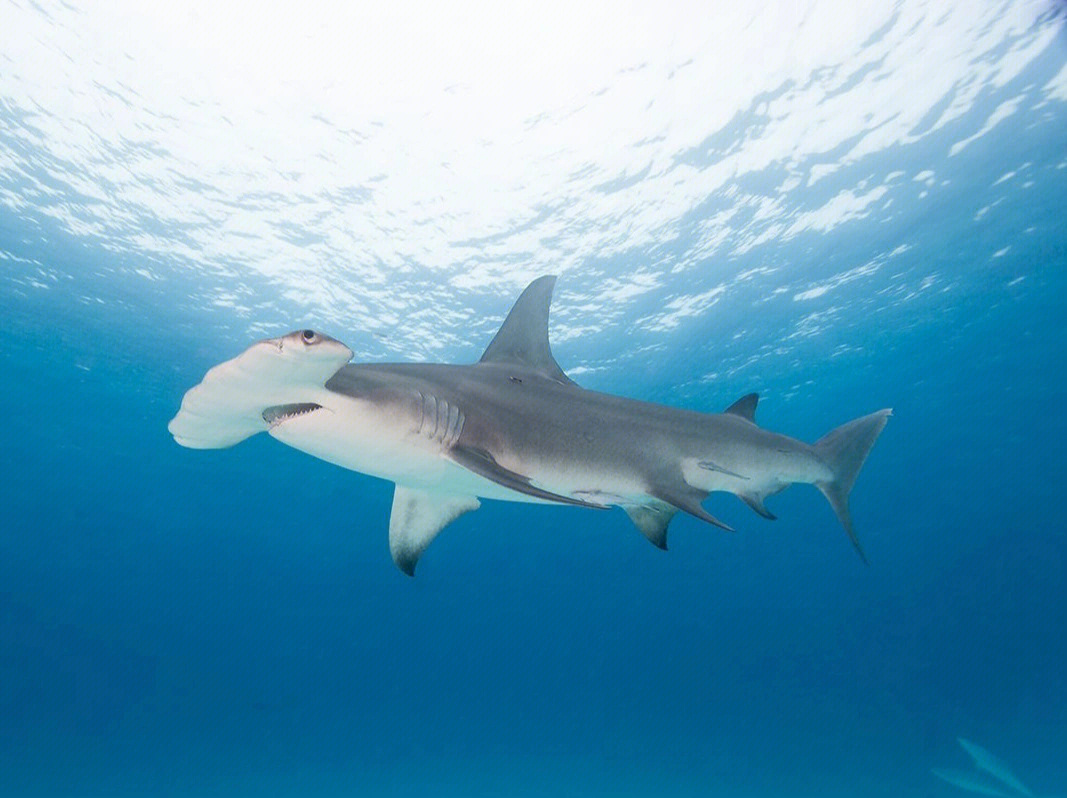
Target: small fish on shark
column 512, row 427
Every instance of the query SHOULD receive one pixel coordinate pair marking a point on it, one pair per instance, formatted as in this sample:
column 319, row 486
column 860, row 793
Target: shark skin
column 511, row 427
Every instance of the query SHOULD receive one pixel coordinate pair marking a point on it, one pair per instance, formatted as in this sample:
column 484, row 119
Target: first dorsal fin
column 522, row 339
column 745, row 407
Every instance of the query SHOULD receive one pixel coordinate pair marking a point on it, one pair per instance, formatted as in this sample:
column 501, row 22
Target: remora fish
column 971, row 782
column 993, row 766
column 511, row 427
column 980, row 782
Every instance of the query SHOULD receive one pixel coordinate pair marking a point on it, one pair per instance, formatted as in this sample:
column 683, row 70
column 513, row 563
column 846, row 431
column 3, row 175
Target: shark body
column 513, row 427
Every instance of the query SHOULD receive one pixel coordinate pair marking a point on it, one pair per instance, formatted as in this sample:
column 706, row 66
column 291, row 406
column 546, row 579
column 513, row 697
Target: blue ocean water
column 870, row 214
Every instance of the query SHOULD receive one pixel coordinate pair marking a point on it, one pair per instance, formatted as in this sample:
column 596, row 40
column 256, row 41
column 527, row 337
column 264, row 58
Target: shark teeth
column 279, row 414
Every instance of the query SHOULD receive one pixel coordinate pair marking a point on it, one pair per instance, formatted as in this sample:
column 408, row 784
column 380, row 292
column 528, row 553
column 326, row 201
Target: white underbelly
column 350, row 441
column 363, row 438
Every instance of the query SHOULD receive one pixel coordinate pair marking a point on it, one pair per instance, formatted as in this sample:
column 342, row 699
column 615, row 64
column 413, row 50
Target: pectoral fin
column 652, row 520
column 417, row 517
column 485, row 465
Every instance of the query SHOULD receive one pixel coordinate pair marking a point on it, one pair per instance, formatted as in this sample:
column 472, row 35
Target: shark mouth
column 279, row 414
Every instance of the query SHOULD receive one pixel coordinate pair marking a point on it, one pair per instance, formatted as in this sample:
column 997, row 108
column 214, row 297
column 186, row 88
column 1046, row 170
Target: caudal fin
column 844, row 450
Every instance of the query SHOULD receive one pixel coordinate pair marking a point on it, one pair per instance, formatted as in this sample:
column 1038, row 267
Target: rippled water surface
column 841, row 206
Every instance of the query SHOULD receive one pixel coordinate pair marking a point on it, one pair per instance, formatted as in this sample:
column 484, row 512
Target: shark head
column 303, row 357
column 271, row 382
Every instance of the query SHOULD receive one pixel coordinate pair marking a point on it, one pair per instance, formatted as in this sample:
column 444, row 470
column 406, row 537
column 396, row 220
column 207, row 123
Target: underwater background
column 843, row 207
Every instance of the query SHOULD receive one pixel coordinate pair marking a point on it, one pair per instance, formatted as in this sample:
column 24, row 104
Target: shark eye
column 309, row 336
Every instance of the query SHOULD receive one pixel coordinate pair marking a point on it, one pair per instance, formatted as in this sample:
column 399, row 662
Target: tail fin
column 844, row 450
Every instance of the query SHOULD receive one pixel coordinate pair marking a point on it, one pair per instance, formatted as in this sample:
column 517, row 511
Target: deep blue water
column 177, row 622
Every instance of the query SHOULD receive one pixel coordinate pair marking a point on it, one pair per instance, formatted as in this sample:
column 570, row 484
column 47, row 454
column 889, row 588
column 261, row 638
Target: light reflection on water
column 397, row 185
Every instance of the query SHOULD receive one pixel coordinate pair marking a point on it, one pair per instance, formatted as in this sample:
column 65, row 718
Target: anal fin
column 485, row 465
column 417, row 517
column 651, row 521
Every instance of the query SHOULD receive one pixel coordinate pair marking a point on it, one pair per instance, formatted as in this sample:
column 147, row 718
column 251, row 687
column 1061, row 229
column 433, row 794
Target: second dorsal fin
column 745, row 407
column 522, row 339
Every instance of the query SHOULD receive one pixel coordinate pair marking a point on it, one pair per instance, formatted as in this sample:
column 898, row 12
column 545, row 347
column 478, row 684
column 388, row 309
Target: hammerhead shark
column 512, row 426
